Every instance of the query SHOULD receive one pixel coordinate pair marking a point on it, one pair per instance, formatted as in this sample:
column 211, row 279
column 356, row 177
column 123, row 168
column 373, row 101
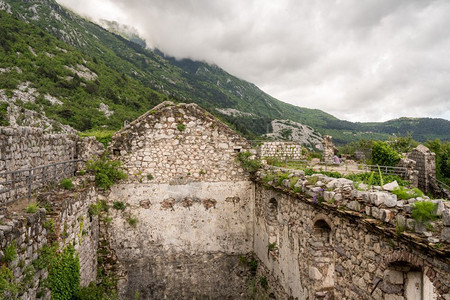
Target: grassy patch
column 67, row 184
column 423, row 211
column 32, row 208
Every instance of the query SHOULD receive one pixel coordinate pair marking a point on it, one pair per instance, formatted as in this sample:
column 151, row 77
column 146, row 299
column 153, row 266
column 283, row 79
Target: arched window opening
column 322, row 262
column 271, row 216
column 272, row 211
column 409, row 281
column 273, row 206
column 322, row 232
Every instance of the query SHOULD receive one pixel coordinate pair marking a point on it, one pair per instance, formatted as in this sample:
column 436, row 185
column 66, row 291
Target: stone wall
column 281, row 150
column 28, row 147
column 333, row 239
column 189, row 206
column 68, row 223
column 328, row 149
column 425, row 165
column 178, row 144
column 321, row 252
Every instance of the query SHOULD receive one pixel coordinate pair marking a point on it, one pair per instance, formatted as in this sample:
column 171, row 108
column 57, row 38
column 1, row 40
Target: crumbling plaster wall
column 194, row 213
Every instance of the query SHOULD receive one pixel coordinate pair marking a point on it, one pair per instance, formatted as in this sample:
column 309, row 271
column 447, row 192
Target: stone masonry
column 332, row 240
column 179, row 144
column 192, row 204
column 68, row 222
column 28, row 147
column 425, row 164
column 281, row 150
column 328, row 149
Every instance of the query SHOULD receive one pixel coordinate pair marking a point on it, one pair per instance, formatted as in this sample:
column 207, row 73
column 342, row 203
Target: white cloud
column 359, row 60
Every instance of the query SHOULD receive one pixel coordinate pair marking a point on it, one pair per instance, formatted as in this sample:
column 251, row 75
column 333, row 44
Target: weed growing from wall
column 181, row 127
column 10, row 253
column 132, row 221
column 64, row 274
column 119, row 205
column 32, row 208
column 423, row 211
column 107, row 172
column 251, row 165
column 67, row 184
column 95, row 209
column 9, row 288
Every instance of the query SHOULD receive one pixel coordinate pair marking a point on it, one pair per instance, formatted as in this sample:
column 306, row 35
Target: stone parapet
column 371, row 202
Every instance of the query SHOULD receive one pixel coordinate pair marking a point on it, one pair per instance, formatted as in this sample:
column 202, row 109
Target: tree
column 384, row 155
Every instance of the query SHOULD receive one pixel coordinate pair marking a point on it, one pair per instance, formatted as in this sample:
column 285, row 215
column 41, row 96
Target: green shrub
column 10, row 253
column 4, row 120
column 32, row 208
column 282, row 177
column 149, row 176
column 384, row 155
column 251, row 165
column 67, row 184
column 49, row 224
column 106, row 171
column 91, row 292
column 423, row 211
column 8, row 287
column 103, row 136
column 119, row 205
column 64, row 274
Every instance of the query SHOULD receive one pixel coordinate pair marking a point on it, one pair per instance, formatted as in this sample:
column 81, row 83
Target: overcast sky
column 360, row 60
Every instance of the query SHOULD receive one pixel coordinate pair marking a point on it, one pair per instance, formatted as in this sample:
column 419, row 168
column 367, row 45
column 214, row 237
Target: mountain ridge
column 208, row 85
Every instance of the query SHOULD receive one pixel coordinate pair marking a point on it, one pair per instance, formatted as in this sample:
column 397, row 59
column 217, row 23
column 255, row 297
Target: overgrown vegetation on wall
column 106, row 171
column 249, row 161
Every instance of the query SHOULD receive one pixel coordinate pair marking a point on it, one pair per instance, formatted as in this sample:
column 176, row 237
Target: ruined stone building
column 196, row 225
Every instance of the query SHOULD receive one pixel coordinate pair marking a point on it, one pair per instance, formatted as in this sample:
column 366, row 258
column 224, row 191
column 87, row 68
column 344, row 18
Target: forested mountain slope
column 131, row 79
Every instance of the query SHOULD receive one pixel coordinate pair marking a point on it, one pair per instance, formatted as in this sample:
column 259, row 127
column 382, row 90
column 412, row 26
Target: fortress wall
column 313, row 251
column 28, row 147
column 187, row 240
column 194, row 214
column 68, row 223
